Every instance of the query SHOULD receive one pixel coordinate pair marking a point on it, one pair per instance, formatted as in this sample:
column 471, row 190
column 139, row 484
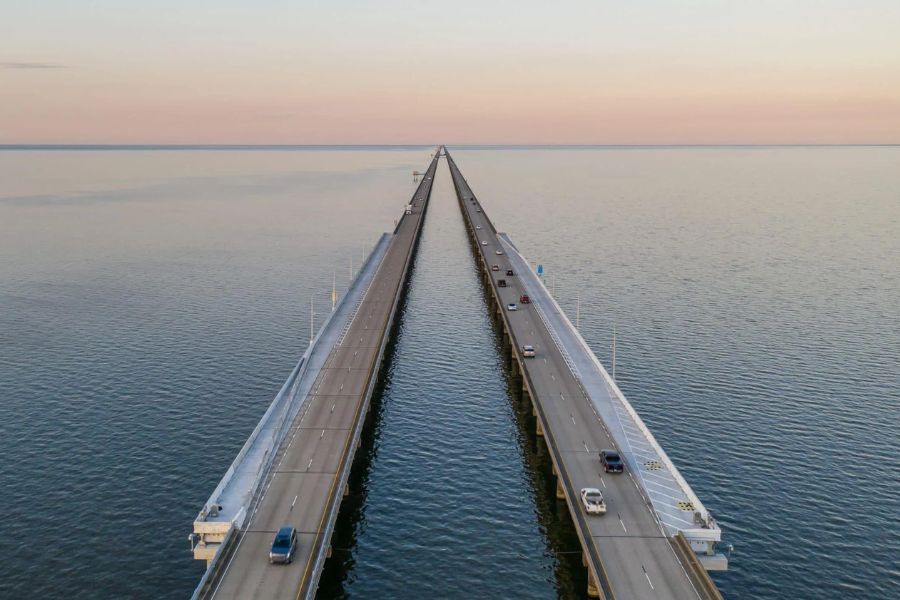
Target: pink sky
column 574, row 72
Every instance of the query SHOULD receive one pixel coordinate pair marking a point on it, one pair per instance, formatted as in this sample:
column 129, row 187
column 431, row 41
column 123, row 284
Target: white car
column 478, row 227
column 528, row 351
column 512, row 306
column 484, row 242
column 592, row 499
column 499, row 252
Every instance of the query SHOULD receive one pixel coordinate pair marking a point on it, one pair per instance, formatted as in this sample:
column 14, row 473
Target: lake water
column 152, row 303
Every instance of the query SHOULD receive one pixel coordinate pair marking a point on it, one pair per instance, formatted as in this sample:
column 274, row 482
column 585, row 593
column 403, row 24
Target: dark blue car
column 283, row 546
column 611, row 461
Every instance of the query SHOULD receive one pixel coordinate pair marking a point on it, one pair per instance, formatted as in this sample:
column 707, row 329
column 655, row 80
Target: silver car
column 593, row 502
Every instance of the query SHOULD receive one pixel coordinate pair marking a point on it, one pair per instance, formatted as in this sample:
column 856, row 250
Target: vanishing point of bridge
column 657, row 540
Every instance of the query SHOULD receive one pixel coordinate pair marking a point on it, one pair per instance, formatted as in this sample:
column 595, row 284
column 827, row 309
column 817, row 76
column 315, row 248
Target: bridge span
column 656, row 539
column 293, row 470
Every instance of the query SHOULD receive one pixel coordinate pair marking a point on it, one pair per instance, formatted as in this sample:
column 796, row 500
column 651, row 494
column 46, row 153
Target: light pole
column 614, row 353
column 578, row 311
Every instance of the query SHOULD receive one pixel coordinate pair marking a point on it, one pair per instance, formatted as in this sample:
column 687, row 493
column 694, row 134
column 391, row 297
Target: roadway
column 626, row 550
column 308, row 477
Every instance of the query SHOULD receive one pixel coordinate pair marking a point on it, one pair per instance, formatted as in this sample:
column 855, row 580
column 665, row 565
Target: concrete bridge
column 293, row 470
column 656, row 541
column 656, row 535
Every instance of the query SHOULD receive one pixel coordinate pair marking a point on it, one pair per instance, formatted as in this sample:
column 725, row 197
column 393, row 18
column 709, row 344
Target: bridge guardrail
column 696, row 571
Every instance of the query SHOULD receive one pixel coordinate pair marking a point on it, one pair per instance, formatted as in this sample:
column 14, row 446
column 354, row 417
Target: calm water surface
column 152, row 303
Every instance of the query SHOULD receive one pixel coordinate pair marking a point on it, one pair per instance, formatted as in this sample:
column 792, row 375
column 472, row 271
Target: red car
column 524, row 299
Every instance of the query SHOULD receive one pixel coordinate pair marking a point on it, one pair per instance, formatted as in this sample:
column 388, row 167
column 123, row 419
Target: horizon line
column 241, row 146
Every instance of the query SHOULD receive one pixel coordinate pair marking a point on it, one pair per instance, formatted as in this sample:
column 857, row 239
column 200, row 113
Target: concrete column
column 560, row 492
column 538, row 429
column 593, row 590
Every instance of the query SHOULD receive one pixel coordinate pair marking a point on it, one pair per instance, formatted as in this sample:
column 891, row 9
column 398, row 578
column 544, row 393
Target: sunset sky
column 463, row 71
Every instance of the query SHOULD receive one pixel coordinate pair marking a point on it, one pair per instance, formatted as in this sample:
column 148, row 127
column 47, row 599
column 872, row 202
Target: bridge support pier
column 538, row 429
column 560, row 492
column 593, row 590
